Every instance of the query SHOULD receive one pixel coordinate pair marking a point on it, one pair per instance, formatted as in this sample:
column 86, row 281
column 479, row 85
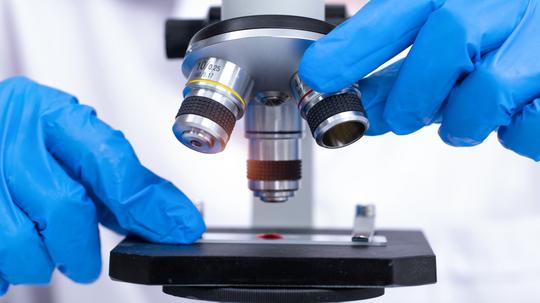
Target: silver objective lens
column 336, row 120
column 215, row 97
column 274, row 130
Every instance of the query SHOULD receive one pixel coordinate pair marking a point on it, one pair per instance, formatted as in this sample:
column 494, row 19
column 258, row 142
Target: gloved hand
column 473, row 67
column 62, row 171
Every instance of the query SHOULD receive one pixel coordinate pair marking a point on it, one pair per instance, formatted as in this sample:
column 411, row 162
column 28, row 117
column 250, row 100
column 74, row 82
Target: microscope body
column 245, row 66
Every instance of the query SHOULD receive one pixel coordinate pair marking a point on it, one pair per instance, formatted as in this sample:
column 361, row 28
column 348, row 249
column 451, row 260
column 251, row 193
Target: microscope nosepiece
column 335, row 120
column 216, row 97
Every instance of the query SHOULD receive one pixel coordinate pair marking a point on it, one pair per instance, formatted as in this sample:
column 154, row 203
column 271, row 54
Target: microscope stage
column 266, row 271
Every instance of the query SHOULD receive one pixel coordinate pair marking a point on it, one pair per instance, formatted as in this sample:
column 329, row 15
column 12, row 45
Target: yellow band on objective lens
column 230, row 90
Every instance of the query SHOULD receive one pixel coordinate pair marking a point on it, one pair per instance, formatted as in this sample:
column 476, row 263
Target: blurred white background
column 479, row 207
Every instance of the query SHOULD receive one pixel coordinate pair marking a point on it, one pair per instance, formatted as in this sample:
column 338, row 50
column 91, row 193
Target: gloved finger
column 104, row 162
column 64, row 215
column 447, row 47
column 23, row 256
column 107, row 218
column 506, row 80
column 375, row 90
column 378, row 32
column 3, row 287
column 522, row 134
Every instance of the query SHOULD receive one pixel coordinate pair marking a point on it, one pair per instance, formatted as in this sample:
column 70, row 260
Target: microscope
column 241, row 63
column 246, row 68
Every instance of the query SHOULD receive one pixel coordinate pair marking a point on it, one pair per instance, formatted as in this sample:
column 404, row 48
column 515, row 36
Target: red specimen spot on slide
column 270, row 236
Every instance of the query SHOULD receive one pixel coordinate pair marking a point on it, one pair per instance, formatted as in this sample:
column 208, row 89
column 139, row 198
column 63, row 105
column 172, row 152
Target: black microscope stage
column 273, row 272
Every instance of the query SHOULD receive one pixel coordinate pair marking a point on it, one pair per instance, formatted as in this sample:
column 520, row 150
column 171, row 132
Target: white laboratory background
column 479, row 207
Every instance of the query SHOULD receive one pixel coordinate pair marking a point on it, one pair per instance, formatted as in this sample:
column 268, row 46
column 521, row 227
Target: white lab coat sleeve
column 9, row 63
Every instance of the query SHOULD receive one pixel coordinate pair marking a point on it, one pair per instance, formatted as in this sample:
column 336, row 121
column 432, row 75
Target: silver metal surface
column 364, row 225
column 272, row 98
column 219, row 95
column 239, row 8
column 269, row 55
column 306, row 97
column 298, row 211
column 282, row 120
column 288, row 239
column 336, row 131
column 274, row 196
column 275, row 149
column 278, row 185
column 274, row 134
column 278, row 191
column 200, row 134
column 341, row 130
column 223, row 82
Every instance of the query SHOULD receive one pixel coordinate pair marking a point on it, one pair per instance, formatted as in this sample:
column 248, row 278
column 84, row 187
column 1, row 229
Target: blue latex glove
column 62, row 170
column 474, row 67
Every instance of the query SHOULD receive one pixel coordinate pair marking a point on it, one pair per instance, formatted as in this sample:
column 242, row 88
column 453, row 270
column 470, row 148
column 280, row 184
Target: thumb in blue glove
column 62, row 170
column 472, row 67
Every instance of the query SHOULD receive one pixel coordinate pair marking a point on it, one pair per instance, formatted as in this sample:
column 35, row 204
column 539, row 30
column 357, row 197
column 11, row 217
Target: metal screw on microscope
column 216, row 97
column 336, row 120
